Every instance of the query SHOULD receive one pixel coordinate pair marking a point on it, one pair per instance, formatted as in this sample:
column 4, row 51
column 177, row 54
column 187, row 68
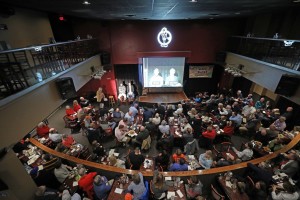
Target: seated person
column 142, row 135
column 101, row 187
column 70, row 111
column 206, row 160
column 22, row 144
column 43, row 193
column 262, row 137
column 113, row 161
column 210, row 133
column 159, row 188
column 135, row 159
column 86, row 181
column 156, row 119
column 177, row 155
column 289, row 192
column 162, row 159
column 67, row 196
column 262, row 171
column 117, row 115
column 120, row 133
column 83, row 102
column 246, row 154
column 179, row 166
column 165, row 143
column 76, row 106
column 192, row 113
column 54, row 136
column 129, row 116
column 150, row 126
column 61, row 171
column 184, row 126
column 94, row 132
column 42, row 129
column 67, row 140
column 259, row 192
column 137, row 186
column 49, row 162
column 98, row 149
column 290, row 165
column 164, row 128
column 194, row 187
column 178, row 111
column 147, row 114
column 124, row 122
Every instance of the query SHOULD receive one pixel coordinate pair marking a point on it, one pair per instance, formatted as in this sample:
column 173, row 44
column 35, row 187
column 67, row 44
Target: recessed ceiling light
column 193, row 1
column 86, row 3
column 237, row 13
column 211, row 18
column 296, row 1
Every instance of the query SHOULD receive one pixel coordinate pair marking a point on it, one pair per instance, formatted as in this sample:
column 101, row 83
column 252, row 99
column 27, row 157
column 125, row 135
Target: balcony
column 282, row 52
column 25, row 67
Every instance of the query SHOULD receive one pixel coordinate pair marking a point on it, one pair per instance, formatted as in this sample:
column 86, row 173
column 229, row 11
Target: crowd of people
column 203, row 121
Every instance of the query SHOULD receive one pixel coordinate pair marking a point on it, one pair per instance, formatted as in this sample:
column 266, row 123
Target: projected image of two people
column 167, row 78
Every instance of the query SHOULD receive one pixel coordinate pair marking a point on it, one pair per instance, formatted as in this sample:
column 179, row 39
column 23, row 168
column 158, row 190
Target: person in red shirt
column 177, row 155
column 228, row 130
column 206, row 140
column 70, row 111
column 76, row 106
column 210, row 133
column 42, row 129
column 68, row 140
column 86, row 182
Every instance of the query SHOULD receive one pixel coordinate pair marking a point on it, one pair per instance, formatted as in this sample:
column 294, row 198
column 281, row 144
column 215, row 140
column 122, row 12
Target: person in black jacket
column 135, row 159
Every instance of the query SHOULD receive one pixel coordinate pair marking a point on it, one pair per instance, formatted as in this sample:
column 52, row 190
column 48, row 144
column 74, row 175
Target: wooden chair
column 215, row 194
column 111, row 101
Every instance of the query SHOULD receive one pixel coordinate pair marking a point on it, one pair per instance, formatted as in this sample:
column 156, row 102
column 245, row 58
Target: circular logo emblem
column 164, row 37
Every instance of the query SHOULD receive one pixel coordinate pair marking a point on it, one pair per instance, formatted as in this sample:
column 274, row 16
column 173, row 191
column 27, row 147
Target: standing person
column 159, row 188
column 137, row 186
column 100, row 97
column 156, row 80
column 136, row 159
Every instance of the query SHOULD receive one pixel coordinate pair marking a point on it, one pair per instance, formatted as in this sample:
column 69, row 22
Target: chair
column 111, row 101
column 216, row 195
column 250, row 183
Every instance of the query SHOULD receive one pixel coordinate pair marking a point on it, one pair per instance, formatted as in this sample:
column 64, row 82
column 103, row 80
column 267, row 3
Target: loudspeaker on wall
column 66, row 88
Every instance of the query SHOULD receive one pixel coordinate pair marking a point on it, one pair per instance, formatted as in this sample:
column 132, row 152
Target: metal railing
column 282, row 52
column 25, row 67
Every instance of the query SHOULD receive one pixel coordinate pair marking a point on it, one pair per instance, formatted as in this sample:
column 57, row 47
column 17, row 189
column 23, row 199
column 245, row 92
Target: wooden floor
column 163, row 97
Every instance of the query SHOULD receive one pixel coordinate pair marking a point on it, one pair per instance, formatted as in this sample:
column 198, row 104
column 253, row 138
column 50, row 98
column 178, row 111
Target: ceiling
column 155, row 9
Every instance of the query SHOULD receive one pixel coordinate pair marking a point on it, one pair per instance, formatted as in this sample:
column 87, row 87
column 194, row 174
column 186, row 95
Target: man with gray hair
column 101, row 187
column 164, row 129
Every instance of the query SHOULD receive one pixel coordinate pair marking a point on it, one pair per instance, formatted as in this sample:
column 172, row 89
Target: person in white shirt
column 246, row 154
column 289, row 192
column 178, row 111
column 120, row 133
column 156, row 120
column 54, row 136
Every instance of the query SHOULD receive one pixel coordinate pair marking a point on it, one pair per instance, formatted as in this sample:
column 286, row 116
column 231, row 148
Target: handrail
column 181, row 173
column 43, row 45
column 262, row 38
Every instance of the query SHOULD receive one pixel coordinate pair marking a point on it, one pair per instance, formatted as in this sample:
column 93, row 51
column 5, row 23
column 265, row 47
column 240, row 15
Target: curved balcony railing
column 282, row 52
column 117, row 170
column 24, row 67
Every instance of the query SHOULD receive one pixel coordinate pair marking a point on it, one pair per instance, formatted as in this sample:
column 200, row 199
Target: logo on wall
column 164, row 37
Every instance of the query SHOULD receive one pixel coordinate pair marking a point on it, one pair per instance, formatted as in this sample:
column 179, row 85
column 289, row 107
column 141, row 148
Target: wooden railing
column 217, row 170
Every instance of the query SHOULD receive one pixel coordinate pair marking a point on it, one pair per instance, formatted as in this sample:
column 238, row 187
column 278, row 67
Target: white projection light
column 164, row 37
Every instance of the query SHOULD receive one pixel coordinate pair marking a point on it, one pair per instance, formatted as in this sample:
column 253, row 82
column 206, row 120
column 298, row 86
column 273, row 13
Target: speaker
column 66, row 88
column 105, row 58
column 287, row 85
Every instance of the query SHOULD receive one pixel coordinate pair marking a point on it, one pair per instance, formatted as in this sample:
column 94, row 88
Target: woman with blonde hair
column 76, row 106
column 113, row 161
column 192, row 113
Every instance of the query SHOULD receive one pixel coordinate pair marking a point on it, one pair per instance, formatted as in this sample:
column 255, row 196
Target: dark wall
column 124, row 39
column 62, row 30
